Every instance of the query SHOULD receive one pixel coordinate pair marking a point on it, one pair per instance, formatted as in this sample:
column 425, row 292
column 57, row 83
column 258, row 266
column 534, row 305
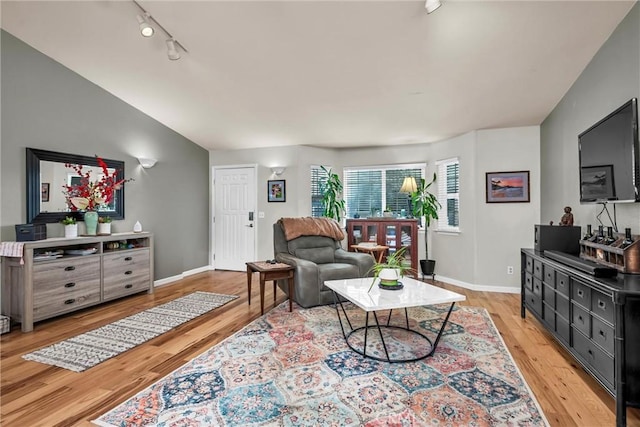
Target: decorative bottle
column 627, row 238
column 600, row 236
column 609, row 239
column 588, row 234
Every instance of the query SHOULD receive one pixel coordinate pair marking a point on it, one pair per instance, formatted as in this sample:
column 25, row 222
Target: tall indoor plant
column 331, row 189
column 425, row 204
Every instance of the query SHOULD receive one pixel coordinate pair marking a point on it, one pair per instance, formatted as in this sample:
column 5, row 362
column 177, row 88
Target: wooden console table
column 273, row 272
column 57, row 275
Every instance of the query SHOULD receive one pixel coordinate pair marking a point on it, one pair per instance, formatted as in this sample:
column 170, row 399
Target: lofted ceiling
column 326, row 73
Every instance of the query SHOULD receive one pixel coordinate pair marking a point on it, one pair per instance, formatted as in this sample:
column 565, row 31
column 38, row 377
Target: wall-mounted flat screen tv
column 608, row 153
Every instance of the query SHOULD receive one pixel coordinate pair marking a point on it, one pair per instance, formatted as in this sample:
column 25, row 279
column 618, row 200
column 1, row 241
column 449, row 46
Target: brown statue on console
column 567, row 218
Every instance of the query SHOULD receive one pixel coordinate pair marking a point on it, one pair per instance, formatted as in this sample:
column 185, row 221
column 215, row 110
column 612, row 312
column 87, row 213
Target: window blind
column 448, row 194
column 318, row 179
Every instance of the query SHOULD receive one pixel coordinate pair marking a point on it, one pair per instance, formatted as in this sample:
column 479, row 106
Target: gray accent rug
column 91, row 348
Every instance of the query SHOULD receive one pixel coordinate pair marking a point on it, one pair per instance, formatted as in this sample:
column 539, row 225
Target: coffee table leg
column 384, row 345
column 290, row 282
column 444, row 324
column 249, row 274
column 261, row 293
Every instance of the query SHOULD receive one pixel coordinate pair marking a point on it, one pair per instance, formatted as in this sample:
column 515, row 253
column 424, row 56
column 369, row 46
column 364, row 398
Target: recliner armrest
column 295, row 262
column 363, row 261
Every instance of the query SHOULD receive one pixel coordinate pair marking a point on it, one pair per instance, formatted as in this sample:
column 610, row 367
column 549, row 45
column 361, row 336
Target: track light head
column 145, row 28
column 172, row 50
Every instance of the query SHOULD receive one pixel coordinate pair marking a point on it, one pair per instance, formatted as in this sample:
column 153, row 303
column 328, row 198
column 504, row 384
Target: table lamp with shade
column 409, row 186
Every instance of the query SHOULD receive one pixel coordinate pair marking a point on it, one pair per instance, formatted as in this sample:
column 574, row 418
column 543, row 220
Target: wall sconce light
column 147, row 163
column 278, row 170
column 432, row 5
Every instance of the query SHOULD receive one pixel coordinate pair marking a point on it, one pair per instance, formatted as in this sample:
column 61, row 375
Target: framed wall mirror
column 46, row 175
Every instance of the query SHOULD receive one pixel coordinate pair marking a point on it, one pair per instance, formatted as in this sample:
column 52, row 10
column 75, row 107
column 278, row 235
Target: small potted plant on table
column 390, row 271
column 70, row 227
column 104, row 225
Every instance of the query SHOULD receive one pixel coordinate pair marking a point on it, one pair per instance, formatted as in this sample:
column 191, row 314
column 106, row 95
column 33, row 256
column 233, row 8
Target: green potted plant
column 391, row 270
column 104, row 225
column 332, row 203
column 425, row 204
column 70, row 227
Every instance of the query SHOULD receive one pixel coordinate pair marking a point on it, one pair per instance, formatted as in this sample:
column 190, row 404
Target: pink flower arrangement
column 89, row 195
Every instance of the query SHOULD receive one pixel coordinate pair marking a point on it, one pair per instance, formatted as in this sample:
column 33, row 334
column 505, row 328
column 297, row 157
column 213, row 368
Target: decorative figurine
column 567, row 218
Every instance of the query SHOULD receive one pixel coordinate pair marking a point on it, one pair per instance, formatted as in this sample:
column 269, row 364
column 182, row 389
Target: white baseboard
column 480, row 288
column 171, row 279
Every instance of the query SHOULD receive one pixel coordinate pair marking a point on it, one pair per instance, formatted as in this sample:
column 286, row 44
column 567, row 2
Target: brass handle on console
column 69, row 301
column 69, row 268
column 580, row 293
column 128, row 258
column 129, row 286
column 128, row 272
column 69, row 285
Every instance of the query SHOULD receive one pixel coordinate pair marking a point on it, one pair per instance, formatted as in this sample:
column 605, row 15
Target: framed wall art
column 507, row 187
column 44, row 192
column 276, row 191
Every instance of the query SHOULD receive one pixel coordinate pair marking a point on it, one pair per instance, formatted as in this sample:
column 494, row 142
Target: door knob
column 250, row 225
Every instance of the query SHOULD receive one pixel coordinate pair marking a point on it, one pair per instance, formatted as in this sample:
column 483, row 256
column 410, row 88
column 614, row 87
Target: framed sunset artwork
column 507, row 187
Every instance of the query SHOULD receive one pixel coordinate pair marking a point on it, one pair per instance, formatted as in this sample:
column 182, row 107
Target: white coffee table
column 413, row 294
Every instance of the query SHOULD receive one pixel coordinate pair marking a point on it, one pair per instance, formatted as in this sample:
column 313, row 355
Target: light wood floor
column 34, row 394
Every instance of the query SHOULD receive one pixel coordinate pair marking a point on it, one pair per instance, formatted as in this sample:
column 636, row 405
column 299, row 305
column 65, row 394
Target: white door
column 234, row 218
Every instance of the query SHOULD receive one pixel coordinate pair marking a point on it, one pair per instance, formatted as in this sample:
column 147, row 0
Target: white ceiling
column 326, row 73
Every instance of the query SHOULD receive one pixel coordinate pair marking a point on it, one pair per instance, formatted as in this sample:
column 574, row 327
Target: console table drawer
column 61, row 300
column 528, row 281
column 537, row 287
column 581, row 294
column 602, row 305
column 562, row 283
column 533, row 301
column 528, row 265
column 537, row 269
column 601, row 362
column 549, row 276
column 126, row 287
column 602, row 334
column 581, row 320
column 64, row 270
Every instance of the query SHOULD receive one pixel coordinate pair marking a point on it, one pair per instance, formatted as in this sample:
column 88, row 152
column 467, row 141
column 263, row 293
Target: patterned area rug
column 294, row 369
column 84, row 351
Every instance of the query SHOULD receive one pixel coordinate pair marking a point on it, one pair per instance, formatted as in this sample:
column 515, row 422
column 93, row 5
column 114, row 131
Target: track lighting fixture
column 172, row 51
column 432, row 5
column 145, row 28
column 145, row 20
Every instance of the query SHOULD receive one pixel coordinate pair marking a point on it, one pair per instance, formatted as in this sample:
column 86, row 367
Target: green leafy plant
column 395, row 261
column 331, row 189
column 104, row 220
column 425, row 204
column 69, row 220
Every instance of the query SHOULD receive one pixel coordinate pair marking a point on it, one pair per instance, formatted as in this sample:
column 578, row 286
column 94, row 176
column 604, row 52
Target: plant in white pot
column 104, row 225
column 389, row 272
column 70, row 227
column 425, row 204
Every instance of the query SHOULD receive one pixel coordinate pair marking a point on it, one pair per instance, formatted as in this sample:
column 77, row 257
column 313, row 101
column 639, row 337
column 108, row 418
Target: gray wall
column 47, row 106
column 611, row 78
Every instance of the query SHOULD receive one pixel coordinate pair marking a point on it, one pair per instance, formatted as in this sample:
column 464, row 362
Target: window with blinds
column 448, row 194
column 369, row 191
column 318, row 179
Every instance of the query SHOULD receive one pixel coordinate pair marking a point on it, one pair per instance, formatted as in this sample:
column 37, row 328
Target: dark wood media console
column 597, row 320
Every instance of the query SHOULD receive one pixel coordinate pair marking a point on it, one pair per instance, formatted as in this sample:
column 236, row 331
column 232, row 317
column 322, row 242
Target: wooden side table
column 273, row 272
column 377, row 252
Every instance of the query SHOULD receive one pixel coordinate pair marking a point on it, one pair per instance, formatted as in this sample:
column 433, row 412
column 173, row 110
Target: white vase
column 70, row 231
column 137, row 228
column 104, row 228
